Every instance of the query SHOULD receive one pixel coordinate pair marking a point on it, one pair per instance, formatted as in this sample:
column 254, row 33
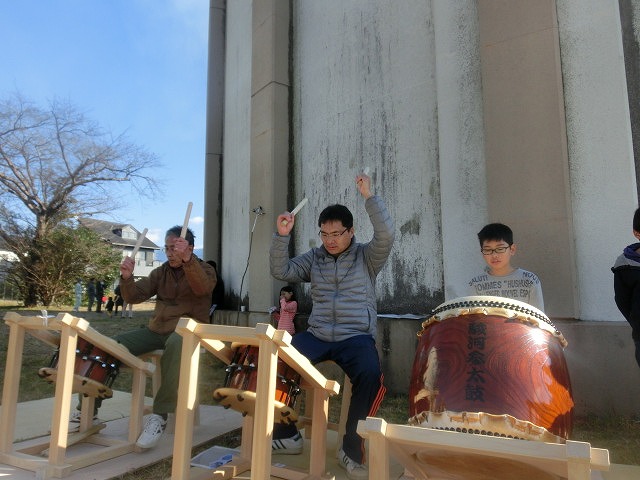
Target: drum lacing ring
column 495, row 304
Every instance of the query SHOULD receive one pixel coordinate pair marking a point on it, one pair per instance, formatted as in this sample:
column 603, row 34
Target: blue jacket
column 626, row 286
column 343, row 288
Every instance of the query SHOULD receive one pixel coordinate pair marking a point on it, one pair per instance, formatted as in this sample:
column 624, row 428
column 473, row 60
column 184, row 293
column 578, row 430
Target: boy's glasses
column 332, row 235
column 491, row 251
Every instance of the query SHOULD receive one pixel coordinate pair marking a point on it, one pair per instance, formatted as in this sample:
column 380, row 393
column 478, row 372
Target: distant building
column 6, row 260
column 123, row 237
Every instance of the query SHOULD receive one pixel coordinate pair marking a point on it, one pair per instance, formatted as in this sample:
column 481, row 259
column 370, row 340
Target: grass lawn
column 620, row 435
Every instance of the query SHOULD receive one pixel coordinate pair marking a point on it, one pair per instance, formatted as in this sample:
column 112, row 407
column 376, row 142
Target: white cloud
column 156, row 235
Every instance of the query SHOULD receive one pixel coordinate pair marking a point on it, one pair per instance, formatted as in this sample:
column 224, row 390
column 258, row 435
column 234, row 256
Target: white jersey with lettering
column 519, row 285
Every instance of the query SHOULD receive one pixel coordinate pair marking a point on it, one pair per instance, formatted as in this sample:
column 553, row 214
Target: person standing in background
column 286, row 312
column 626, row 284
column 77, row 291
column 91, row 293
column 99, row 295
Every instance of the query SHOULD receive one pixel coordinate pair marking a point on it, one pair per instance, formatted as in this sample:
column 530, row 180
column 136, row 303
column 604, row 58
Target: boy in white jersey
column 500, row 278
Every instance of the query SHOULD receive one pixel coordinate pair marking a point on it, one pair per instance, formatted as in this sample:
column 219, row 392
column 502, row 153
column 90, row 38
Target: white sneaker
column 288, row 446
column 354, row 470
column 152, row 431
column 74, row 420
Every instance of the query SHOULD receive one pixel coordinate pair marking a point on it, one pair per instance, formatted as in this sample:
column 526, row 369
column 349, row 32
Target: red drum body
column 94, row 370
column 241, row 383
column 494, row 366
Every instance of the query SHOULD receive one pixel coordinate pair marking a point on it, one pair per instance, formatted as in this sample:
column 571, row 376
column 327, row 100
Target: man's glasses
column 325, row 235
column 491, row 251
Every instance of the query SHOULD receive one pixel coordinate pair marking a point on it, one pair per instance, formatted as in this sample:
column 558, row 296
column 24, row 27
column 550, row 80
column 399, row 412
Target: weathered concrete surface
column 395, row 86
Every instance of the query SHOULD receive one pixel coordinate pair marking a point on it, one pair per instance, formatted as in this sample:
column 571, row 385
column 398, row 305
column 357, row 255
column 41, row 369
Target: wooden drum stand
column 50, row 459
column 257, row 431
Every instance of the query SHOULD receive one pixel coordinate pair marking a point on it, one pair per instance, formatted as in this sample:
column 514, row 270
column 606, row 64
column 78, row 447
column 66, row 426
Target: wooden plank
column 187, row 393
column 46, row 336
column 378, row 463
column 225, row 333
column 63, row 393
column 246, row 441
column 138, row 384
column 13, row 367
column 573, row 460
column 219, row 350
column 263, row 413
column 320, row 415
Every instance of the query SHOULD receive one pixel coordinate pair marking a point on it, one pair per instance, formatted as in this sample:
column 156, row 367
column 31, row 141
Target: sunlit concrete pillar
column 269, row 139
column 602, row 173
column 526, row 149
column 215, row 120
column 460, row 140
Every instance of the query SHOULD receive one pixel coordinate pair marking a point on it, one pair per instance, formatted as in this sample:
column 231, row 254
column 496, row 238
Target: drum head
column 244, row 401
column 84, row 385
column 489, row 305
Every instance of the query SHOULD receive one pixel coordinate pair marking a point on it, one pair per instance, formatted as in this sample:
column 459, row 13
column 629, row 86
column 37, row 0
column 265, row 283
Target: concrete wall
column 364, row 95
column 215, row 121
column 630, row 24
column 601, row 167
column 463, row 199
column 236, row 209
column 461, row 111
column 526, row 149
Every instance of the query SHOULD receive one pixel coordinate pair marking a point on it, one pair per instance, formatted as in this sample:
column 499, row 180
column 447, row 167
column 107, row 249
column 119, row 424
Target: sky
column 137, row 67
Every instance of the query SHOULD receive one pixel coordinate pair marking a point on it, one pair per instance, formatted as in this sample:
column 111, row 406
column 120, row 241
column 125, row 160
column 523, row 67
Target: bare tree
column 56, row 164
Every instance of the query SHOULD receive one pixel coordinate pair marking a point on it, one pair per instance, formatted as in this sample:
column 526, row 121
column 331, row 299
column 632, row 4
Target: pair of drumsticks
column 185, row 224
column 183, row 232
column 303, row 202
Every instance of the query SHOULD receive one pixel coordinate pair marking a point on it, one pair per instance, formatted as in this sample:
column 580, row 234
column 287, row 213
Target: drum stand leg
column 87, row 409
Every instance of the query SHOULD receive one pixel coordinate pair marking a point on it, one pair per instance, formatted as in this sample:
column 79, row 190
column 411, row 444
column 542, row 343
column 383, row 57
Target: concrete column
column 526, row 151
column 629, row 15
column 269, row 139
column 602, row 176
column 215, row 119
column 236, row 209
column 460, row 140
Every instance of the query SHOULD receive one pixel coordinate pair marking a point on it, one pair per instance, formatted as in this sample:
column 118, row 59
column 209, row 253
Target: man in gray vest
column 342, row 323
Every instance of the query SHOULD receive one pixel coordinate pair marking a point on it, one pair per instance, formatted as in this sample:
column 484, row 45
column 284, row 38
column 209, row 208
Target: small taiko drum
column 241, row 383
column 94, row 370
column 494, row 366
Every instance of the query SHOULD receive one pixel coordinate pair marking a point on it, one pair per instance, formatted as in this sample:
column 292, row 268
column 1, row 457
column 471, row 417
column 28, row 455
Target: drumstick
column 365, row 171
column 139, row 243
column 302, row 203
column 186, row 221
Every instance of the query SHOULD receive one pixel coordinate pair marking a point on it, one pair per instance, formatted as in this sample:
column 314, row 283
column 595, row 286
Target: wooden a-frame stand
column 257, row 432
column 573, row 460
column 50, row 459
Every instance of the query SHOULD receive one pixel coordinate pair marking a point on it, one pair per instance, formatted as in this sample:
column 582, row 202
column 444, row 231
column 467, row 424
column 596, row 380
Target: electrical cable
column 258, row 211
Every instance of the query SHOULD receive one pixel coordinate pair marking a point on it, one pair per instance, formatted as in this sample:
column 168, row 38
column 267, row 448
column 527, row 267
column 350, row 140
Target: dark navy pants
column 358, row 358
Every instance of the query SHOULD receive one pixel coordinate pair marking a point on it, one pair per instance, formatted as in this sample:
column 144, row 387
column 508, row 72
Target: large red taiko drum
column 494, row 366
